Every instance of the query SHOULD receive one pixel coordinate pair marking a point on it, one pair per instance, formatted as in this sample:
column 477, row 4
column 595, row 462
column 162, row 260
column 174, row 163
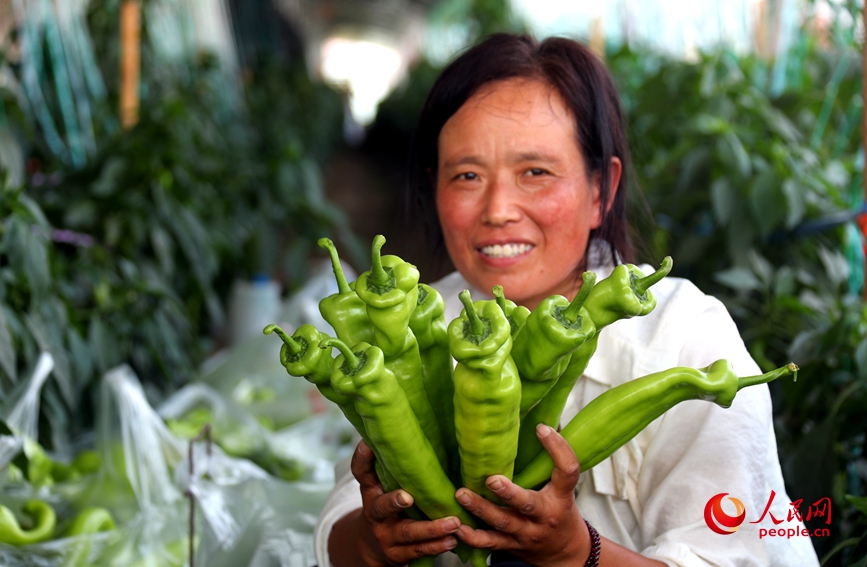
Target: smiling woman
column 516, row 203
column 519, row 167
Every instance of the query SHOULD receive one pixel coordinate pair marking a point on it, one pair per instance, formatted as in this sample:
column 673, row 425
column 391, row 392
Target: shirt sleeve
column 701, row 450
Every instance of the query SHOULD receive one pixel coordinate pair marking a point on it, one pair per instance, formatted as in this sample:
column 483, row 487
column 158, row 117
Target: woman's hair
column 587, row 88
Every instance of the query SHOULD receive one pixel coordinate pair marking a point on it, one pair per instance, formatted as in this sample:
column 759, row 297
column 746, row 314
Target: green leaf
column 860, row 502
column 794, row 194
column 47, row 337
column 767, row 201
column 8, row 360
column 102, row 344
column 861, row 359
column 740, row 279
column 836, row 265
column 734, row 155
column 723, row 198
column 710, row 125
column 82, row 359
column 109, row 177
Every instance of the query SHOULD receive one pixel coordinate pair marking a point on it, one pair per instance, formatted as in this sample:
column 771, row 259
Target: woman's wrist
column 595, row 546
column 352, row 543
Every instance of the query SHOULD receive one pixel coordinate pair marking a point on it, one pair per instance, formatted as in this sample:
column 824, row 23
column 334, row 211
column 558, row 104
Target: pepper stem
column 790, row 368
column 588, row 283
column 377, row 272
column 290, row 342
column 497, row 290
column 352, row 361
column 476, row 326
column 643, row 284
column 342, row 285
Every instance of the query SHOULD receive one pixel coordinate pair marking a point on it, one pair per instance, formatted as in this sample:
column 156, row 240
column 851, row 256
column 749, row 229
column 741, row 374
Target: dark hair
column 586, row 86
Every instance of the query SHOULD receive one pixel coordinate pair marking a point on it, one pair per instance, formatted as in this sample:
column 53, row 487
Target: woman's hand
column 377, row 533
column 542, row 528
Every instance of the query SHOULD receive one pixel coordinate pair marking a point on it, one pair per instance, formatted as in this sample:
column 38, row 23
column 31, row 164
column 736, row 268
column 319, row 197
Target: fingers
column 564, row 477
column 361, row 464
column 484, row 539
column 415, row 532
column 384, row 506
column 521, row 500
column 497, row 517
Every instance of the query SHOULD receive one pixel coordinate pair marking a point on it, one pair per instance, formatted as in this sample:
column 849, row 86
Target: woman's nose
column 501, row 204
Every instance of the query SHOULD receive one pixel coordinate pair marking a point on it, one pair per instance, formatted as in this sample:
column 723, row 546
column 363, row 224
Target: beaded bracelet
column 595, row 546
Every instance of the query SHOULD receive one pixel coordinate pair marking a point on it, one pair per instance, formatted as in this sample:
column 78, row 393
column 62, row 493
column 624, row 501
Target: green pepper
column 487, row 393
column 390, row 290
column 344, row 310
column 515, row 314
column 623, row 294
column 397, row 439
column 545, row 344
column 428, row 324
column 90, row 521
column 42, row 521
column 302, row 358
column 619, row 414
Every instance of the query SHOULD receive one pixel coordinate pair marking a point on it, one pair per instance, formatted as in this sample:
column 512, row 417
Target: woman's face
column 513, row 196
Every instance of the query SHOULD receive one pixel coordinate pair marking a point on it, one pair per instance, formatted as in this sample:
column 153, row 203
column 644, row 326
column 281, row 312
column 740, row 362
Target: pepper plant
column 751, row 193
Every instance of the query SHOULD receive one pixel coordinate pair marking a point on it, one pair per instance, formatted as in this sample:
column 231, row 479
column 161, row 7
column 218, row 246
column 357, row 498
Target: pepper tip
column 269, row 329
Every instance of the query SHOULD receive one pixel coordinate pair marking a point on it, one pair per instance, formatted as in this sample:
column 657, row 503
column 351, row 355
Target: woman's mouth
column 508, row 250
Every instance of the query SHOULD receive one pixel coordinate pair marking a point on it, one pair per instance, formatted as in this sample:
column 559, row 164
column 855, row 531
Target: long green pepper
column 619, row 414
column 543, row 347
column 42, row 521
column 390, row 290
column 301, row 357
column 428, row 324
column 487, row 393
column 515, row 314
column 344, row 310
column 396, row 436
column 625, row 293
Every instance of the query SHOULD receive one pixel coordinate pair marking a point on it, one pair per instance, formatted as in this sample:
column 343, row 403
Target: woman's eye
column 468, row 176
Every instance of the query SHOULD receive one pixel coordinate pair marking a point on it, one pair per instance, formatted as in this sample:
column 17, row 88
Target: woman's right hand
column 377, row 533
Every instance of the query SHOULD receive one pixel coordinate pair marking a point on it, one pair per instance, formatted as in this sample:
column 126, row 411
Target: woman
column 520, row 163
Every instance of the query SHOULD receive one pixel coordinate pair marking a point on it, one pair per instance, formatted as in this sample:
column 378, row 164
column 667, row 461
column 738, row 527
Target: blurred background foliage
column 753, row 169
column 130, row 257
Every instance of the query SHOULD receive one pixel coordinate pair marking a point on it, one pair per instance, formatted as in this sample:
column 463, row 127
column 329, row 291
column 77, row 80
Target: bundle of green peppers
column 513, row 370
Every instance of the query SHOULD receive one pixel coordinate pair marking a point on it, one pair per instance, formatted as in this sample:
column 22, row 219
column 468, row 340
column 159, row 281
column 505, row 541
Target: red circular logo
column 720, row 522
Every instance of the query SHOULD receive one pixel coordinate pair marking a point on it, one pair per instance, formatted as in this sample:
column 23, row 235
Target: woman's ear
column 614, row 174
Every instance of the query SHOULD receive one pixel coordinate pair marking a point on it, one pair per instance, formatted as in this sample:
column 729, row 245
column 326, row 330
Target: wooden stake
column 597, row 38
column 130, row 62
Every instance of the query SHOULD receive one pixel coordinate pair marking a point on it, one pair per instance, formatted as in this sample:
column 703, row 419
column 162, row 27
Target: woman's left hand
column 541, row 527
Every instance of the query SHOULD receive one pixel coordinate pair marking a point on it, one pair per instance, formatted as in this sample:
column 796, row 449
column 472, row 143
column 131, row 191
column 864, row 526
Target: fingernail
column 543, row 430
column 451, row 543
column 461, row 533
column 452, row 524
column 495, row 484
column 402, row 500
column 463, row 498
column 363, row 449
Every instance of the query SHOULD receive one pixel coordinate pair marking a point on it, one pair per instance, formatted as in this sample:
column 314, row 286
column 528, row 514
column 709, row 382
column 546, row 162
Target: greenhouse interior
column 217, row 217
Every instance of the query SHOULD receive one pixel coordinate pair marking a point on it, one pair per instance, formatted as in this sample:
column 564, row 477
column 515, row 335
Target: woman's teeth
column 506, row 250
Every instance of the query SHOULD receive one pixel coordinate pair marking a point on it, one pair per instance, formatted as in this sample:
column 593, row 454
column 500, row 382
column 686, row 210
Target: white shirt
column 650, row 495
